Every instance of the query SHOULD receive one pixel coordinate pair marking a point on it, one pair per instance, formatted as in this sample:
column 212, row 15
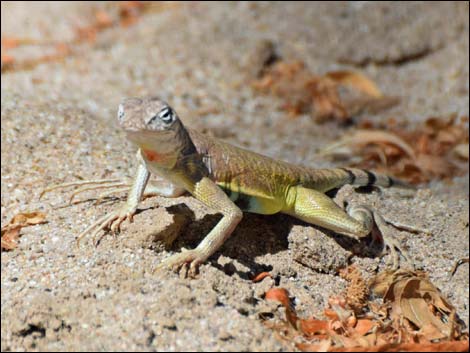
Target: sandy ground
column 58, row 123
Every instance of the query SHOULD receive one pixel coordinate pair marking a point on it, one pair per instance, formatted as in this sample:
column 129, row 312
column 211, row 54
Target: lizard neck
column 164, row 150
column 176, row 158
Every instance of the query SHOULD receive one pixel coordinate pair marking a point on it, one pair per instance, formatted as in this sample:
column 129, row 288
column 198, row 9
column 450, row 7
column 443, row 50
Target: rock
column 154, row 229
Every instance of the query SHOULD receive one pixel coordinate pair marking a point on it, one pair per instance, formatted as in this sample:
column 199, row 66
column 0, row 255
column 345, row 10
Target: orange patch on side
column 153, row 156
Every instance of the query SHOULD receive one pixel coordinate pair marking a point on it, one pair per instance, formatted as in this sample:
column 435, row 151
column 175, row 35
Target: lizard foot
column 111, row 221
column 186, row 263
column 116, row 186
column 390, row 242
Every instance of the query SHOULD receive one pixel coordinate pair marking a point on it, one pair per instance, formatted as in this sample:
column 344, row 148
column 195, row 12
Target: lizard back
column 246, row 175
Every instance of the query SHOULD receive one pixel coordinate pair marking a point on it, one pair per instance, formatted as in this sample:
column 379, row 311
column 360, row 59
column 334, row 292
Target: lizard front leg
column 138, row 189
column 211, row 195
column 114, row 219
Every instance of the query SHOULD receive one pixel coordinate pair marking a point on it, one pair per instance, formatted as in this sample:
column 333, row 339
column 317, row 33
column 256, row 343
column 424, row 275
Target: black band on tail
column 371, row 178
column 352, row 177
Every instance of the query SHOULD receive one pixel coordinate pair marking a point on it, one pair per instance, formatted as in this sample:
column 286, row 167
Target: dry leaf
column 363, row 326
column 454, row 346
column 260, row 276
column 312, row 327
column 11, row 232
column 413, row 297
column 435, row 166
column 129, row 13
column 10, row 237
column 356, row 80
column 323, row 346
column 103, row 19
column 304, row 92
column 7, row 61
column 326, row 100
column 25, row 219
column 413, row 315
column 462, row 150
column 281, row 295
column 361, row 138
column 427, row 152
column 10, row 43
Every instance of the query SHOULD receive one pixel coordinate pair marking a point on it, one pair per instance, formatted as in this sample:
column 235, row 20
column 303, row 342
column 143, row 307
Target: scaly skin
column 230, row 180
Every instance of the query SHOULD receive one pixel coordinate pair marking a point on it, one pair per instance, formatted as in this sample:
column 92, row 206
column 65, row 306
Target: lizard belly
column 249, row 202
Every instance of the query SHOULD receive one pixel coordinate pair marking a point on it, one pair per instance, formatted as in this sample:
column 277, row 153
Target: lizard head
column 154, row 127
column 149, row 114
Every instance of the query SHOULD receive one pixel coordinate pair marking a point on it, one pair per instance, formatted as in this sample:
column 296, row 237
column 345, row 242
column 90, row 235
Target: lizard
column 230, row 179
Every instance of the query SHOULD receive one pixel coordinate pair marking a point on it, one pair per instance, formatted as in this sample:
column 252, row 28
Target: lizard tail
column 328, row 179
column 362, row 177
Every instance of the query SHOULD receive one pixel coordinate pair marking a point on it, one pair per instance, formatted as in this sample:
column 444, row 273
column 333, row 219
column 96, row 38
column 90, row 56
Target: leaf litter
column 11, row 232
column 114, row 14
column 413, row 316
column 336, row 95
column 436, row 149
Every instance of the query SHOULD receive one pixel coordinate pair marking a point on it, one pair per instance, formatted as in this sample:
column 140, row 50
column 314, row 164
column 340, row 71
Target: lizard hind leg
column 316, row 208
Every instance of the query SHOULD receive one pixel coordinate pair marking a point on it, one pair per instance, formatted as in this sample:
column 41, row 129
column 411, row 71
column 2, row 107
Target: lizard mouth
column 155, row 139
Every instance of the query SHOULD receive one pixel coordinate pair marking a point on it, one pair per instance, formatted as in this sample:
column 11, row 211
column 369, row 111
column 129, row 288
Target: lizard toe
column 186, row 263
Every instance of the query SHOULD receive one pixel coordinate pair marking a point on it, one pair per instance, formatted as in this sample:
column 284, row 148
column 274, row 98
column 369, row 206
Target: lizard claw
column 390, row 242
column 186, row 263
column 115, row 225
column 111, row 221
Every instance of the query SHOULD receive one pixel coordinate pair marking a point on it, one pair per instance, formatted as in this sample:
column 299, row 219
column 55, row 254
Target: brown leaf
column 7, row 61
column 361, row 138
column 363, row 326
column 323, row 346
column 326, row 101
column 434, row 166
column 11, row 231
column 129, row 11
column 452, row 346
column 281, row 295
column 311, row 327
column 462, row 150
column 331, row 314
column 9, row 43
column 356, row 80
column 25, row 219
column 103, row 19
column 10, row 237
column 427, row 152
column 414, row 313
column 304, row 92
column 260, row 276
column 415, row 298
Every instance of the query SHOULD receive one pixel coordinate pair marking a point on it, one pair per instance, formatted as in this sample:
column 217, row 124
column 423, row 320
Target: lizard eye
column 120, row 113
column 166, row 115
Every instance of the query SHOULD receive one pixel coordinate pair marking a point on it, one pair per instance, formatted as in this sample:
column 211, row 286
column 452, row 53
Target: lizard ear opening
column 120, row 113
